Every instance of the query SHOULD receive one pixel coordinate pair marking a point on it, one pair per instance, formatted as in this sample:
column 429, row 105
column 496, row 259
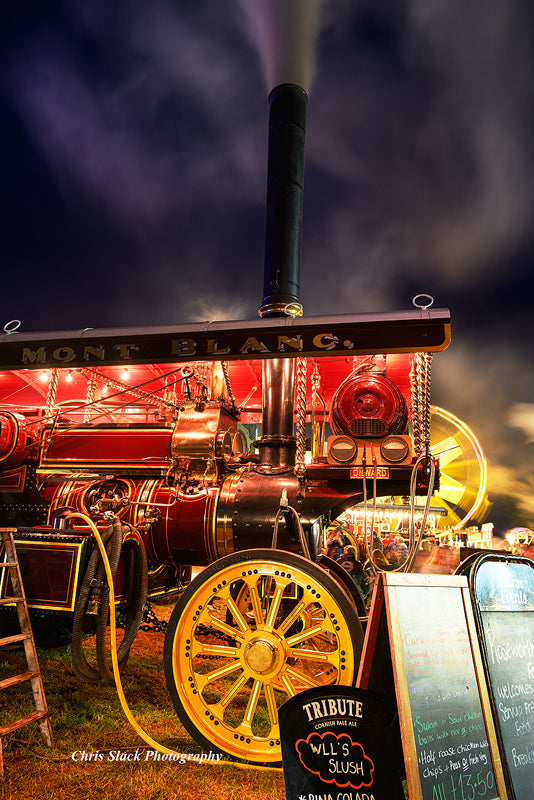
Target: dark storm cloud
column 430, row 145
column 416, row 129
column 146, row 124
column 114, row 134
column 145, row 128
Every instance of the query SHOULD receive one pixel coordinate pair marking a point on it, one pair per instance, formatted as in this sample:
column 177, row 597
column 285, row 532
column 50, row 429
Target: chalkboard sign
column 447, row 731
column 337, row 745
column 503, row 590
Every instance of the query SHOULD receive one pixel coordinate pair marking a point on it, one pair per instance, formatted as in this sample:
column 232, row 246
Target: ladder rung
column 19, row 723
column 33, row 675
column 19, row 637
column 24, row 676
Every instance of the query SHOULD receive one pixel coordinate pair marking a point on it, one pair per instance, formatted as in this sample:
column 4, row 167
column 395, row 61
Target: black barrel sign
column 504, row 600
column 337, row 745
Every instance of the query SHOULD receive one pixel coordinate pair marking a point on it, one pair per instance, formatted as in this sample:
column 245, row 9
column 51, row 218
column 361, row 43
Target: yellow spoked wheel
column 463, row 478
column 252, row 630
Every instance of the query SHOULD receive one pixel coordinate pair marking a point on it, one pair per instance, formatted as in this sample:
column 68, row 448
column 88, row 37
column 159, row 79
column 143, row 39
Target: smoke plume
column 285, row 33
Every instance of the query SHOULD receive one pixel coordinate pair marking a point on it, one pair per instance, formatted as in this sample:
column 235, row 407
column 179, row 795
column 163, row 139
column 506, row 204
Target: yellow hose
column 116, row 673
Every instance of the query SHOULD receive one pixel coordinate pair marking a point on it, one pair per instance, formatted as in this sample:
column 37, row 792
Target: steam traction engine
column 227, row 446
column 184, row 476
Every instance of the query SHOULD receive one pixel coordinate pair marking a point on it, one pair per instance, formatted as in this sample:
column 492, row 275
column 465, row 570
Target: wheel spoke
column 233, row 633
column 301, row 676
column 256, row 604
column 209, row 677
column 275, row 604
column 288, row 686
column 252, row 703
column 236, row 613
column 271, row 704
column 292, row 617
column 314, row 655
column 306, row 634
column 233, row 690
column 217, row 650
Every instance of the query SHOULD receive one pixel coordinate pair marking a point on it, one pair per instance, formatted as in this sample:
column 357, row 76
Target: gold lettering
column 63, row 354
column 325, row 341
column 183, row 347
column 32, row 356
column 253, row 345
column 124, row 350
column 292, row 341
column 93, row 352
column 212, row 347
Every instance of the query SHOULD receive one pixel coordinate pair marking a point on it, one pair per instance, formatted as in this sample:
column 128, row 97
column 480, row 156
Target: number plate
column 381, row 472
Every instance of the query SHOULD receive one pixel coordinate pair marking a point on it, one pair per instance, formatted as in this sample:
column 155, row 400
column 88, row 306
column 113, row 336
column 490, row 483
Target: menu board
column 444, row 712
column 504, row 596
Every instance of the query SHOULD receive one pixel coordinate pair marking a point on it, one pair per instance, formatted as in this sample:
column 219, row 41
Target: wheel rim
column 253, row 630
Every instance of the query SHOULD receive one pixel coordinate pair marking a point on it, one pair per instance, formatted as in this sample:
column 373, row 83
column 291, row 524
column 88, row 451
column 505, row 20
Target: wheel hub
column 261, row 656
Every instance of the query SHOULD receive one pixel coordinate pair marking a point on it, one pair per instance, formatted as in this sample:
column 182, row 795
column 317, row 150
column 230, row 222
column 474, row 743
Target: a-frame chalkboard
column 421, row 650
column 502, row 587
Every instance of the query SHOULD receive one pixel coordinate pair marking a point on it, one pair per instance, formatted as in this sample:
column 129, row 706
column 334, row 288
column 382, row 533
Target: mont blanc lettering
column 66, row 354
column 251, row 344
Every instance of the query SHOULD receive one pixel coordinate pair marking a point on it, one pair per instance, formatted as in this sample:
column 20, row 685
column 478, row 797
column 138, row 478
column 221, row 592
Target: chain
column 420, row 389
column 415, row 383
column 51, row 395
column 152, row 624
column 90, row 398
column 224, row 365
column 205, row 630
column 301, row 416
column 425, row 431
column 149, row 622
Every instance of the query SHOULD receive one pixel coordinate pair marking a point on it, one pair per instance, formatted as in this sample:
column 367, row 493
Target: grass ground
column 89, row 718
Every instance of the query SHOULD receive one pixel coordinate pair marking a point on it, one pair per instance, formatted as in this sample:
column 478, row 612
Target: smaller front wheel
column 252, row 630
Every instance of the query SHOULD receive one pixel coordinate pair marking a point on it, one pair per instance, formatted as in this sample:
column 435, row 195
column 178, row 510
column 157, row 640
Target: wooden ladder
column 10, row 563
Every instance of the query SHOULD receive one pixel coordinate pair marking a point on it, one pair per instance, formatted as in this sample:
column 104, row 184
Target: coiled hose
column 94, row 593
column 116, row 671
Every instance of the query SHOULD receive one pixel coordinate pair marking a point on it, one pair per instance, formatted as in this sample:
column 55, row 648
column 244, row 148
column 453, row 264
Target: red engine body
column 194, row 475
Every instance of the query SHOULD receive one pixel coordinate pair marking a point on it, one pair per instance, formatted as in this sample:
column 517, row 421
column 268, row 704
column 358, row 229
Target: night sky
column 134, row 143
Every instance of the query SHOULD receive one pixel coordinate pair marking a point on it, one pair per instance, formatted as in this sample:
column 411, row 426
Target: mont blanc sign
column 363, row 334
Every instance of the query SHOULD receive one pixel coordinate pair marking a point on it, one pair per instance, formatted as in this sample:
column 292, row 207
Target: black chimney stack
column 285, row 184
